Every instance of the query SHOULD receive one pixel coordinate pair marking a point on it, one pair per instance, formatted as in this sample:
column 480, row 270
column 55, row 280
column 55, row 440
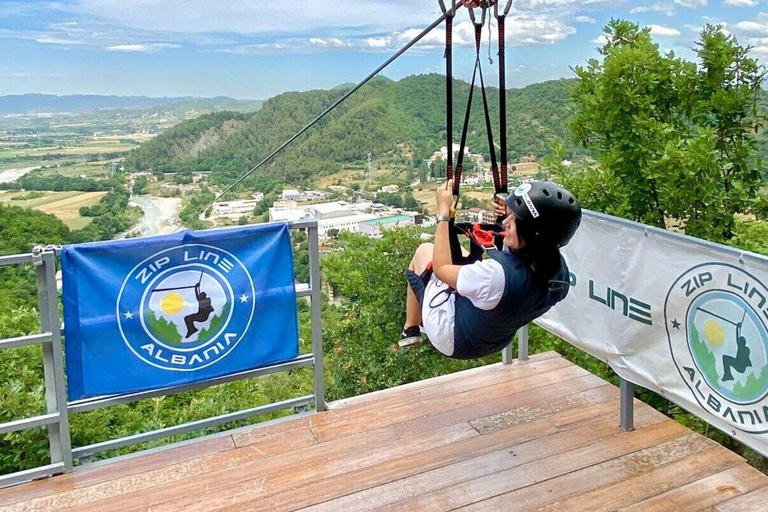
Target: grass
column 64, row 205
column 98, row 169
column 96, row 146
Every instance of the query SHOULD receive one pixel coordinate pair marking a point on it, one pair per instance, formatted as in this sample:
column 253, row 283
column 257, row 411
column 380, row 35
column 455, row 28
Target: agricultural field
column 64, row 205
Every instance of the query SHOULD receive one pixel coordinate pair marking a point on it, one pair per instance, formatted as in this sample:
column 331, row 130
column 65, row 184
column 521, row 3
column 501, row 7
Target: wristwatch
column 442, row 218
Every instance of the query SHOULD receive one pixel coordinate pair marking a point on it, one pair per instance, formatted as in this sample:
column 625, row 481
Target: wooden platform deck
column 538, row 435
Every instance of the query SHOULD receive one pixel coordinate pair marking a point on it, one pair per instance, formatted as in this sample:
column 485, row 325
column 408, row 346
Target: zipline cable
column 349, row 93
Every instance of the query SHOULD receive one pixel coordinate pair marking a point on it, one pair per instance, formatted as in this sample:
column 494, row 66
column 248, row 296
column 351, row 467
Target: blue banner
column 155, row 312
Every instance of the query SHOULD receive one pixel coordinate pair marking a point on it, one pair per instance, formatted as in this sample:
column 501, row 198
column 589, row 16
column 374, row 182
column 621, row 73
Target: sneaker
column 410, row 337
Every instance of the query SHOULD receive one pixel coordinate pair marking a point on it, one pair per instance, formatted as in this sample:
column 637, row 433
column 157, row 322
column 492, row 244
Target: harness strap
column 448, row 88
column 488, row 127
column 503, row 187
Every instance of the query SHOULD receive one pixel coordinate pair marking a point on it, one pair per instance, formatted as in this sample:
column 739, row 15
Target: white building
column 375, row 227
column 282, row 206
column 313, row 195
column 288, row 215
column 236, row 209
column 349, row 223
column 456, row 148
column 291, row 195
column 337, row 209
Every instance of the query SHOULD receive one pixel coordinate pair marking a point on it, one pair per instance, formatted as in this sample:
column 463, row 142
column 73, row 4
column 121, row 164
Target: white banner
column 682, row 317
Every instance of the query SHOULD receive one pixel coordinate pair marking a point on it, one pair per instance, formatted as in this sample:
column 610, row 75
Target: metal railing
column 56, row 418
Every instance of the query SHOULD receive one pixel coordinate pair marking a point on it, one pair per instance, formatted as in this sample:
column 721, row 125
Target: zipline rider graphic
column 204, row 308
column 742, row 361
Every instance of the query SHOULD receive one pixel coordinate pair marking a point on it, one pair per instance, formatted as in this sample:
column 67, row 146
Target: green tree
column 673, row 140
column 140, row 185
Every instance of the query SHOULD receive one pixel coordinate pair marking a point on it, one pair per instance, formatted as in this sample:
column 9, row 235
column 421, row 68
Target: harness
column 482, row 236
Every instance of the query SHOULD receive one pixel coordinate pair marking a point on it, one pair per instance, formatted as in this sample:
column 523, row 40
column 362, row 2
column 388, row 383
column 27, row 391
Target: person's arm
column 442, row 264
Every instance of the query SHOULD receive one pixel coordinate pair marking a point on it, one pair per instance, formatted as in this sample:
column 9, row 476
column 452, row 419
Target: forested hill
column 405, row 117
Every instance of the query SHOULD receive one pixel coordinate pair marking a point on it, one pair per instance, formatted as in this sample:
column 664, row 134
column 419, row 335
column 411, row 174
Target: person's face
column 512, row 240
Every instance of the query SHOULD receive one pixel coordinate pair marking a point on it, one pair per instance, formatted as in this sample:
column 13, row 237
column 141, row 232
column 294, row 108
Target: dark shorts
column 418, row 283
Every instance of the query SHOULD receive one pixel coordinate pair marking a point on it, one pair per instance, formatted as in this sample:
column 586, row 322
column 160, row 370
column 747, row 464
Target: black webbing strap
column 463, row 143
column 449, row 15
column 503, row 187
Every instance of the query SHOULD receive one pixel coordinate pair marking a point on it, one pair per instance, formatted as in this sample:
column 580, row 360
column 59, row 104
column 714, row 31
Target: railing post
column 522, row 341
column 506, row 354
column 53, row 358
column 627, row 413
column 316, row 314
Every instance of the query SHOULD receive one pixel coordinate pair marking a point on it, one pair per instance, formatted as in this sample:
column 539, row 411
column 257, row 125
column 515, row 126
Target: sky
column 255, row 50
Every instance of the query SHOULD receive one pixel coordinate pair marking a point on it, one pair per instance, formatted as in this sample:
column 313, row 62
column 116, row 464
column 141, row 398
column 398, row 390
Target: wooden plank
column 103, row 473
column 502, row 484
column 274, row 474
column 706, row 492
column 191, row 472
column 755, row 500
column 244, row 440
column 592, row 388
column 654, row 482
column 442, row 380
column 297, row 433
column 414, row 474
column 344, row 423
column 593, row 474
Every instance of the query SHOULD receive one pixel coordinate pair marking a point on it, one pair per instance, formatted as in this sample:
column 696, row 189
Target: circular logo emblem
column 185, row 308
column 716, row 323
column 523, row 190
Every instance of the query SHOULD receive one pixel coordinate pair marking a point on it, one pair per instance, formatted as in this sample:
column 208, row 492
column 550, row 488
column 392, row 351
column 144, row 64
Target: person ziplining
column 469, row 306
column 742, row 360
column 204, row 306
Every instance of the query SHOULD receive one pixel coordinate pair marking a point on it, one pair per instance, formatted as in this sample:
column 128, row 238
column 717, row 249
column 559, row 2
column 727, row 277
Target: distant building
column 287, row 215
column 349, row 223
column 390, row 189
column 375, row 227
column 313, row 195
column 236, row 209
column 291, row 195
column 337, row 188
column 282, row 206
column 337, row 209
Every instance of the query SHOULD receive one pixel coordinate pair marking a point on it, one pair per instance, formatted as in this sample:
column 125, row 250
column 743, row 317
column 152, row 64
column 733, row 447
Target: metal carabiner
column 472, row 16
column 505, row 12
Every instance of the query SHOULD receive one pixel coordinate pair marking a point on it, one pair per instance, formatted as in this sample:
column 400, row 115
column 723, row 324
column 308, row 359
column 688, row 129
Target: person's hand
column 445, row 198
column 500, row 207
column 471, row 3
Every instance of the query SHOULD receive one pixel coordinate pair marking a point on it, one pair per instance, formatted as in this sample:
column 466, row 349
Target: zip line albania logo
column 716, row 323
column 185, row 308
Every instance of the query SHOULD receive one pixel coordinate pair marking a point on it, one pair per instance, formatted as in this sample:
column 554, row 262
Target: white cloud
column 665, row 8
column 757, row 27
column 253, row 18
column 601, row 40
column 142, row 48
column 585, row 19
column 662, row 31
column 742, row 3
column 691, row 3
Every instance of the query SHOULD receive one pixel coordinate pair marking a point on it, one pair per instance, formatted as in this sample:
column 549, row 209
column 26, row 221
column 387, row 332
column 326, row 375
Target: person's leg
column 421, row 259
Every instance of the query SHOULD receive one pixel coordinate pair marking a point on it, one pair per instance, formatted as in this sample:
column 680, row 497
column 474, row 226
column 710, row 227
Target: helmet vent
column 559, row 195
column 545, row 192
column 571, row 200
column 519, row 202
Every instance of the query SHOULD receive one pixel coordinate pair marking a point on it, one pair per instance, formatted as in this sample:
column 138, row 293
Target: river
column 161, row 215
column 13, row 174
